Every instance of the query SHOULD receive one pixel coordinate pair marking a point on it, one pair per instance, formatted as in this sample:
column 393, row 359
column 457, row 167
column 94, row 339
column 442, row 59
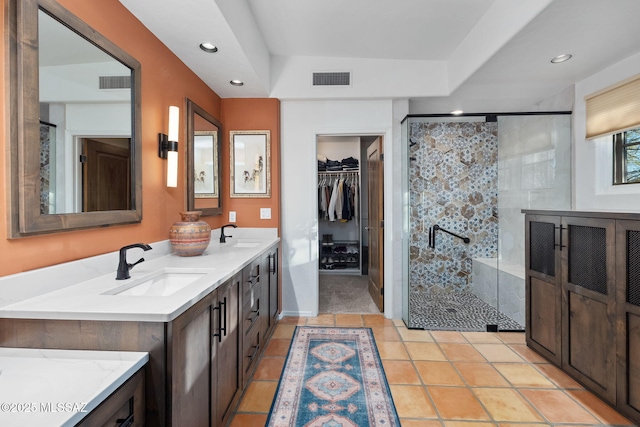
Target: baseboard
column 296, row 314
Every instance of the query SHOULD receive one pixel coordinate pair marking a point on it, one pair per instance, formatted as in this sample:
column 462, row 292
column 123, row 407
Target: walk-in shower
column 467, row 180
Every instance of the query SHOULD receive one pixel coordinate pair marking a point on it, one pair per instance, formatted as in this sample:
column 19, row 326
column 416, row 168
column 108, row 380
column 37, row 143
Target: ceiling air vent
column 115, row 82
column 332, row 79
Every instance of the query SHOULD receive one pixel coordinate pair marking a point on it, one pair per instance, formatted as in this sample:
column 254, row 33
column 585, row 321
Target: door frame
column 383, row 135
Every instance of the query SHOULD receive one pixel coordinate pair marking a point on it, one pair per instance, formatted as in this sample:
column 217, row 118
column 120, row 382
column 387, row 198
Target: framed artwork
column 205, row 164
column 250, row 163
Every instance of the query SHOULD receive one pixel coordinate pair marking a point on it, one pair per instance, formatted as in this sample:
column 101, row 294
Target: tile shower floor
column 458, row 311
column 446, row 379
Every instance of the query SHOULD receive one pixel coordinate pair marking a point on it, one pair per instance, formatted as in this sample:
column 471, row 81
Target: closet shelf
column 338, row 172
column 342, row 254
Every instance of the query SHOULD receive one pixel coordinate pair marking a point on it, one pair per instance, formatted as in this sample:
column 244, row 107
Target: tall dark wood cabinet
column 583, row 299
column 588, row 297
column 628, row 316
column 543, row 290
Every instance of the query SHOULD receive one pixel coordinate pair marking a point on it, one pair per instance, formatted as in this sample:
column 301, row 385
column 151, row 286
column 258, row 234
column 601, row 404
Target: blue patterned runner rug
column 333, row 377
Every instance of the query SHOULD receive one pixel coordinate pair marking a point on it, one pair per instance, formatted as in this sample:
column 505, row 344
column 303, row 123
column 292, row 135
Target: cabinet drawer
column 251, row 312
column 250, row 278
column 251, row 350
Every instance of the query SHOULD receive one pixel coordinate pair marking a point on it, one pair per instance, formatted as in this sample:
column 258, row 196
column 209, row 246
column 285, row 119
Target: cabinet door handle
column 224, row 328
column 219, row 334
column 554, row 238
column 255, row 316
column 125, row 422
column 257, row 347
column 273, row 269
column 252, row 355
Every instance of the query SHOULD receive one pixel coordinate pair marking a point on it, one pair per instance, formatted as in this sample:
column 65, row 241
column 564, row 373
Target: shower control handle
column 436, row 227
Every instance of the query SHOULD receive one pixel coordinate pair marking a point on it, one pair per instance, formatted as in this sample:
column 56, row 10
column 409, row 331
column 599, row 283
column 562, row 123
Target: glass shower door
column 534, row 172
column 452, row 222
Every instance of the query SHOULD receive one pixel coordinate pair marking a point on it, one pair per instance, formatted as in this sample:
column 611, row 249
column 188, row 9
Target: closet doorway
column 350, row 261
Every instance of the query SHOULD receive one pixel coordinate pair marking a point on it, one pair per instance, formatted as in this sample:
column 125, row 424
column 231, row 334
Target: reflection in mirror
column 75, row 124
column 203, row 161
column 85, row 95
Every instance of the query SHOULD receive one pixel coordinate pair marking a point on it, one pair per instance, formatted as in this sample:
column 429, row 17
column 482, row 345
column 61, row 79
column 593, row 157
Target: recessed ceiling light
column 561, row 58
column 237, row 82
column 457, row 112
column 208, row 47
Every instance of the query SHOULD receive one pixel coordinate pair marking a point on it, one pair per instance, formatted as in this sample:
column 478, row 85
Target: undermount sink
column 162, row 283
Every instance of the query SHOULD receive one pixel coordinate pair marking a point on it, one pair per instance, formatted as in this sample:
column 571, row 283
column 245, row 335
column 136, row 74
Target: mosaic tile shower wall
column 453, row 182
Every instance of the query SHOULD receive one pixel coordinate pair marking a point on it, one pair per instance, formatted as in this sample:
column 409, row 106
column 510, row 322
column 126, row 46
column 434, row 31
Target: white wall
column 339, row 147
column 83, row 120
column 301, row 123
column 592, row 160
column 80, row 83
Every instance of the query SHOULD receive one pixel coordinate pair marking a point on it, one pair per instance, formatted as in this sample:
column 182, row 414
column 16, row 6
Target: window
column 626, row 157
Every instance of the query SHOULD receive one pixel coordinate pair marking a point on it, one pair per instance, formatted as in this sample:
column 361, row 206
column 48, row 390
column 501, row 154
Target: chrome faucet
column 223, row 238
column 123, row 266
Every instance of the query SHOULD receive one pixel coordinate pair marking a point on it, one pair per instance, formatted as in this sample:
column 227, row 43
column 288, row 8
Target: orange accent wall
column 252, row 114
column 165, row 81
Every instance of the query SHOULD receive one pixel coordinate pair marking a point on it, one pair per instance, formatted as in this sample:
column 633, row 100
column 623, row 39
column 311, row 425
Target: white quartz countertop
column 59, row 387
column 102, row 298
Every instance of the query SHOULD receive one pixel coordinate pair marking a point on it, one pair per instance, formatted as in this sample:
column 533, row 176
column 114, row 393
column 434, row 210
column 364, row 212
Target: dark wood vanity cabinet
column 198, row 363
column 583, row 299
column 203, row 357
column 226, row 339
column 124, row 407
column 253, row 316
column 259, row 308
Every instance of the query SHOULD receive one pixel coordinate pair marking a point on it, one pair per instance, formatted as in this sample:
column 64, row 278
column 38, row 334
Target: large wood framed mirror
column 75, row 135
column 203, row 161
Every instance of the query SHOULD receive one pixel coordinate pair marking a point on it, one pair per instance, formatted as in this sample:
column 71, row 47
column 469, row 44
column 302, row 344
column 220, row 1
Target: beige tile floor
column 447, row 379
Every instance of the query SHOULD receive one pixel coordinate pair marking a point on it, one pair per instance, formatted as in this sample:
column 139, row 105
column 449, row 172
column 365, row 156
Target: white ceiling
column 476, row 55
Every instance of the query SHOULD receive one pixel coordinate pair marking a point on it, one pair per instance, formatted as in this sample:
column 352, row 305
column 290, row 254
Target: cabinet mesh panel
column 588, row 257
column 633, row 267
column 541, row 247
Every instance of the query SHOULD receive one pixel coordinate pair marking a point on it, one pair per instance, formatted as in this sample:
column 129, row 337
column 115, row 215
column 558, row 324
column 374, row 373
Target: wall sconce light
column 168, row 146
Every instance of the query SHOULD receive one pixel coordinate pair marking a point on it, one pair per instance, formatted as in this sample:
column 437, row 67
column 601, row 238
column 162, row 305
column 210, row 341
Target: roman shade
column 614, row 109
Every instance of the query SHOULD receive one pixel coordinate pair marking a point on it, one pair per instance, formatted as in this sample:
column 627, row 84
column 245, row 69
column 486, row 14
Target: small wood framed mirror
column 203, row 161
